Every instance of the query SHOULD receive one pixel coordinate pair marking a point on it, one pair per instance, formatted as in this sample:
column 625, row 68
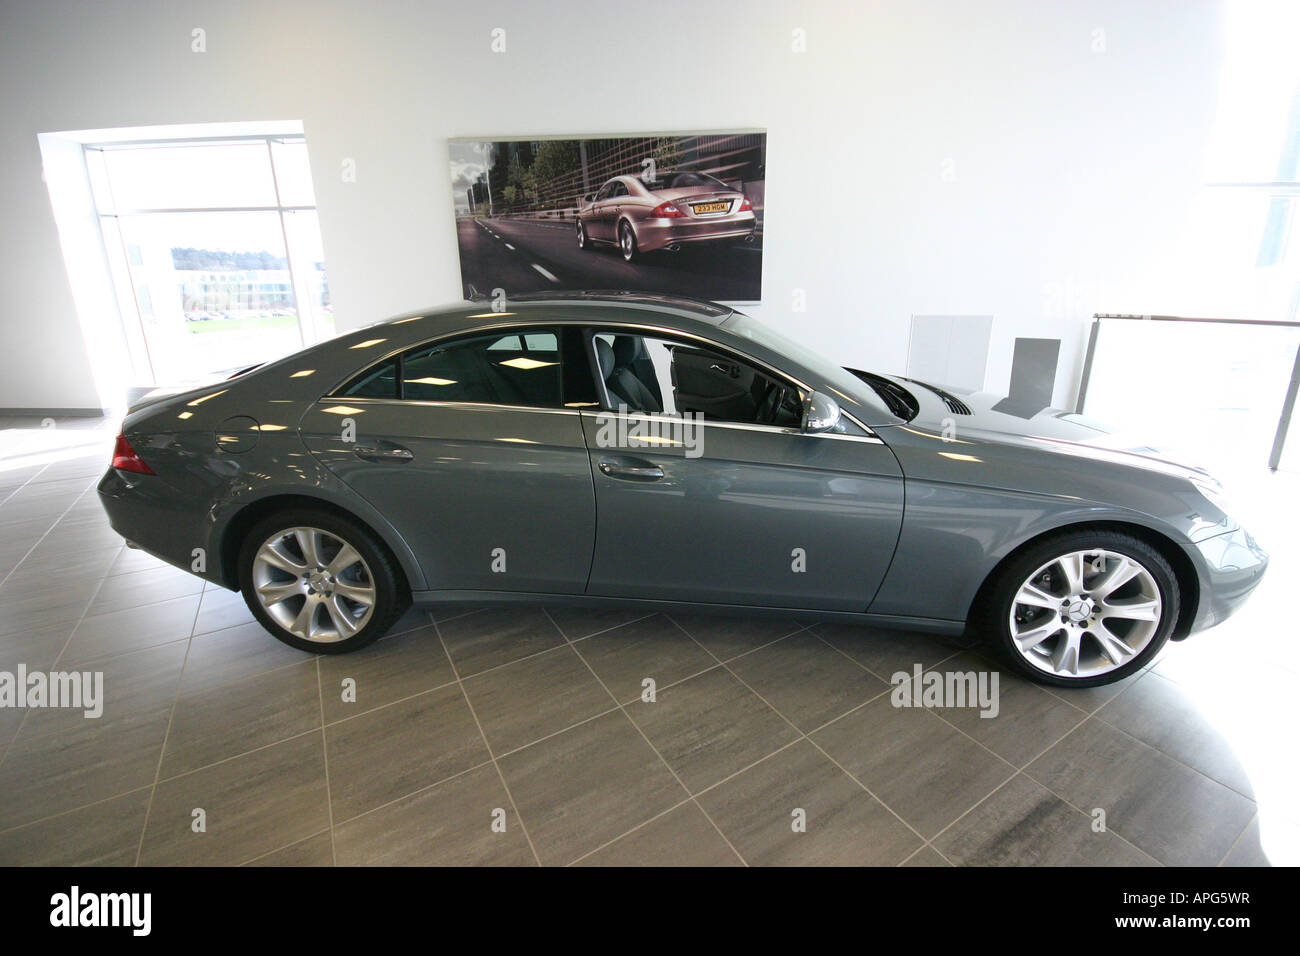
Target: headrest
column 604, row 357
column 624, row 349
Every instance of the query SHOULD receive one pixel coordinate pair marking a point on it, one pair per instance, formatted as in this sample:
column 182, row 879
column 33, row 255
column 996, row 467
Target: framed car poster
column 668, row 214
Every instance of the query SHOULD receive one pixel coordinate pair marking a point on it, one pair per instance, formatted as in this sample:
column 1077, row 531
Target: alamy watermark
column 37, row 690
column 659, row 430
column 946, row 689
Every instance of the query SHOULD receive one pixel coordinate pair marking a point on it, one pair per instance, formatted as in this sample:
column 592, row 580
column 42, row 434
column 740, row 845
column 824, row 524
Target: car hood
column 985, row 416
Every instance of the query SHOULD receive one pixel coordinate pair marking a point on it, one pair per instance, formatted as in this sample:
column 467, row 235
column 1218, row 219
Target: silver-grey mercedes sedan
column 605, row 447
column 672, row 211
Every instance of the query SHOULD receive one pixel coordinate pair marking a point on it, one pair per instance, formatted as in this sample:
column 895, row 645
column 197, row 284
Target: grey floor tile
column 129, row 560
column 11, row 718
column 886, row 652
column 220, row 609
column 651, row 648
column 1166, row 809
column 103, row 834
column 130, row 630
column 317, row 850
column 497, row 636
column 123, row 591
column 1027, row 720
column 393, row 751
column 797, row 808
column 253, row 804
column 577, row 621
column 411, row 619
column 580, row 789
column 924, row 769
column 235, row 653
column 1252, row 848
column 1161, row 713
column 681, row 837
column 1090, row 698
column 394, row 667
column 38, row 647
column 807, row 680
column 527, row 700
column 727, row 636
column 23, row 611
column 45, row 775
column 47, row 567
column 446, row 612
column 1022, row 824
column 76, row 539
column 926, row 856
column 450, row 824
column 221, row 722
column 711, row 726
column 140, row 680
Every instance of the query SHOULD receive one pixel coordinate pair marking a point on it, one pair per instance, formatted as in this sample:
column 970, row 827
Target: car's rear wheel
column 320, row 582
column 627, row 241
column 1083, row 608
column 583, row 241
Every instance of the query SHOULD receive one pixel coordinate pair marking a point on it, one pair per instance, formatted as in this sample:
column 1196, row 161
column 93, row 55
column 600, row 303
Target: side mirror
column 821, row 413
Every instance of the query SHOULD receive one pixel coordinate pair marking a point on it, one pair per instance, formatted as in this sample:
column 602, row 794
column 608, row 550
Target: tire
column 1100, row 632
column 584, row 243
column 627, row 242
column 278, row 584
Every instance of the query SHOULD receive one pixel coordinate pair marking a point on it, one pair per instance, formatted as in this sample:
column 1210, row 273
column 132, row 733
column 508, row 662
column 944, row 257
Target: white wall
column 1069, row 167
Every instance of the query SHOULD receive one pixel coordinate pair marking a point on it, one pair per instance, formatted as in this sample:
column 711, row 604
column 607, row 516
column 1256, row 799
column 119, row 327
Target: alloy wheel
column 1085, row 613
column 314, row 584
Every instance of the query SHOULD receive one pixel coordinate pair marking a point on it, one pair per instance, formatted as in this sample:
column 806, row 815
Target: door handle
column 385, row 452
column 631, row 469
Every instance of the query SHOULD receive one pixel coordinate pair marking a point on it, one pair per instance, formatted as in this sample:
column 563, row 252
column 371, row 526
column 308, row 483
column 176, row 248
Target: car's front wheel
column 320, row 582
column 1083, row 608
column 583, row 241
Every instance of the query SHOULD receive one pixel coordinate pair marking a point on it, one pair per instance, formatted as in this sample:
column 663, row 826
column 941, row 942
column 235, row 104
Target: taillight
column 666, row 210
column 746, row 205
column 125, row 458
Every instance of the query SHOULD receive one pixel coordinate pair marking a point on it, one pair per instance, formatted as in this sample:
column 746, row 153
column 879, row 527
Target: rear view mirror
column 821, row 413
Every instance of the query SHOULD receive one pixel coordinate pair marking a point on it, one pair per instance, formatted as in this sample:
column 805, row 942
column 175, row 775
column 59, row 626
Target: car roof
column 611, row 306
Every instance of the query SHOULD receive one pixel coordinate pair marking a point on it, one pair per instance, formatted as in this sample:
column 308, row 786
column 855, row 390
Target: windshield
column 843, row 383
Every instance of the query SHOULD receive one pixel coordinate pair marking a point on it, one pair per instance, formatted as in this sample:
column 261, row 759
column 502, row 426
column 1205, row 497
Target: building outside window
column 215, row 251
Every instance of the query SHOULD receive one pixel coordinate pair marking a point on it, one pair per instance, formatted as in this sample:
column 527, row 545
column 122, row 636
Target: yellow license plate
column 711, row 207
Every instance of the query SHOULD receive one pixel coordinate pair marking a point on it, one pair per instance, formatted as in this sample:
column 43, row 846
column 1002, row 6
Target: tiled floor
column 519, row 735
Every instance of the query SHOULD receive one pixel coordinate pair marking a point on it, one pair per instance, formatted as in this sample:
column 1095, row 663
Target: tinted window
column 378, row 381
column 494, row 369
column 684, row 181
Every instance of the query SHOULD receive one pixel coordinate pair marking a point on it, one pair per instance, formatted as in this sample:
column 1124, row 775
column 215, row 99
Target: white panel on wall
column 949, row 349
column 1210, row 391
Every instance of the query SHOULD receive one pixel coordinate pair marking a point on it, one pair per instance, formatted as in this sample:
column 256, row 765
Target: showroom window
column 215, row 251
